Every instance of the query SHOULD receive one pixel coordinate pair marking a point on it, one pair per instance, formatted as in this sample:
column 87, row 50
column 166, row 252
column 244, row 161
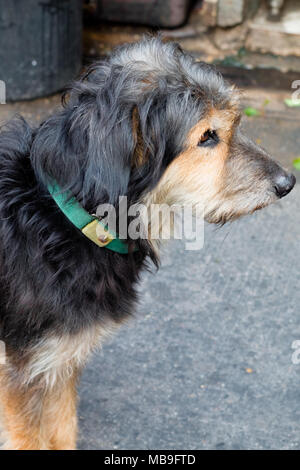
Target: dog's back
column 16, row 137
column 15, row 141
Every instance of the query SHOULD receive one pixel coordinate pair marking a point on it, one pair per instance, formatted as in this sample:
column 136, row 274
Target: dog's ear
column 110, row 133
column 151, row 149
column 139, row 155
column 88, row 147
column 110, row 146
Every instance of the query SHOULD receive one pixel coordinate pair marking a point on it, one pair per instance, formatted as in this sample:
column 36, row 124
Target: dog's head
column 152, row 120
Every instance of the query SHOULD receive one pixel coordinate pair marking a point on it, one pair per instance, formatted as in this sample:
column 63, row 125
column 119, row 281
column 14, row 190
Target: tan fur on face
column 195, row 176
column 225, row 181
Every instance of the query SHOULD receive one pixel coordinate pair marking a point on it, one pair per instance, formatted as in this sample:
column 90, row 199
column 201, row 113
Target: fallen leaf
column 292, row 103
column 251, row 111
column 296, row 163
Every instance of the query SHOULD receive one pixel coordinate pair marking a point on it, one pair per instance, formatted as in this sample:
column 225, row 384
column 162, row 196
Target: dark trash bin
column 160, row 13
column 40, row 46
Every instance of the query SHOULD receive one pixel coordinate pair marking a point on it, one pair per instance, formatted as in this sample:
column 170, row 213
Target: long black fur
column 52, row 278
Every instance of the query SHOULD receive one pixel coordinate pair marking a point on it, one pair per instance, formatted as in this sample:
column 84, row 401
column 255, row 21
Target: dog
column 149, row 123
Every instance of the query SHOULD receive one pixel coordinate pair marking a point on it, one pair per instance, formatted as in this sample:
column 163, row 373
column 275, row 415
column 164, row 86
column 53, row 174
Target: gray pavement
column 207, row 361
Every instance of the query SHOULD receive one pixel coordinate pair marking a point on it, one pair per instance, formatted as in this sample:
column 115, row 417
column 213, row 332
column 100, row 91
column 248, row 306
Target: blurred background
column 44, row 44
column 207, row 363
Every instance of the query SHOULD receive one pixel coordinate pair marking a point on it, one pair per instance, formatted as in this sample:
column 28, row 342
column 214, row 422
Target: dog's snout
column 284, row 183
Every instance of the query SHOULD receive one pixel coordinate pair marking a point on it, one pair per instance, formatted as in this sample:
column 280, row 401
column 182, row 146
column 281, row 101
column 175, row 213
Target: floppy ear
column 91, row 147
column 110, row 146
column 151, row 143
column 88, row 147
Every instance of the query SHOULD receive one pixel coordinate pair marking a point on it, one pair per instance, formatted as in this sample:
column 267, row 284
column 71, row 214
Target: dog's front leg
column 37, row 416
column 60, row 417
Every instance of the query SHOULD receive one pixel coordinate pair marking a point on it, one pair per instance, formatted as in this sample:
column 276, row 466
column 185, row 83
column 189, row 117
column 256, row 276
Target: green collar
column 87, row 223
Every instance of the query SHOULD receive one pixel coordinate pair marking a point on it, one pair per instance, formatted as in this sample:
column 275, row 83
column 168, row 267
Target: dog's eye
column 208, row 139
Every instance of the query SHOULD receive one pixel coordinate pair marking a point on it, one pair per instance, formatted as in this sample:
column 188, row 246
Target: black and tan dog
column 149, row 123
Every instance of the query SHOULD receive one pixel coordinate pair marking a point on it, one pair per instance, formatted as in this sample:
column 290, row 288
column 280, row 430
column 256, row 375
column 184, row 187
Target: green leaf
column 292, row 103
column 251, row 111
column 296, row 163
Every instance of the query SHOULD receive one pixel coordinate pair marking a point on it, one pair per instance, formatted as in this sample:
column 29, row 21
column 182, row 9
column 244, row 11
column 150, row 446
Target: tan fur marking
column 36, row 419
column 196, row 174
column 138, row 157
column 54, row 357
column 61, row 419
column 221, row 121
column 38, row 396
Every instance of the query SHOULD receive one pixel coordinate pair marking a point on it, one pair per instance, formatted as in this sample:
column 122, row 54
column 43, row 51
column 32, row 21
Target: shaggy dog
column 149, row 123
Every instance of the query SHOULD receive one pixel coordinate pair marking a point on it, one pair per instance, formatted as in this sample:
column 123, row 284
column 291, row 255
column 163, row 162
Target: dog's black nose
column 284, row 183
